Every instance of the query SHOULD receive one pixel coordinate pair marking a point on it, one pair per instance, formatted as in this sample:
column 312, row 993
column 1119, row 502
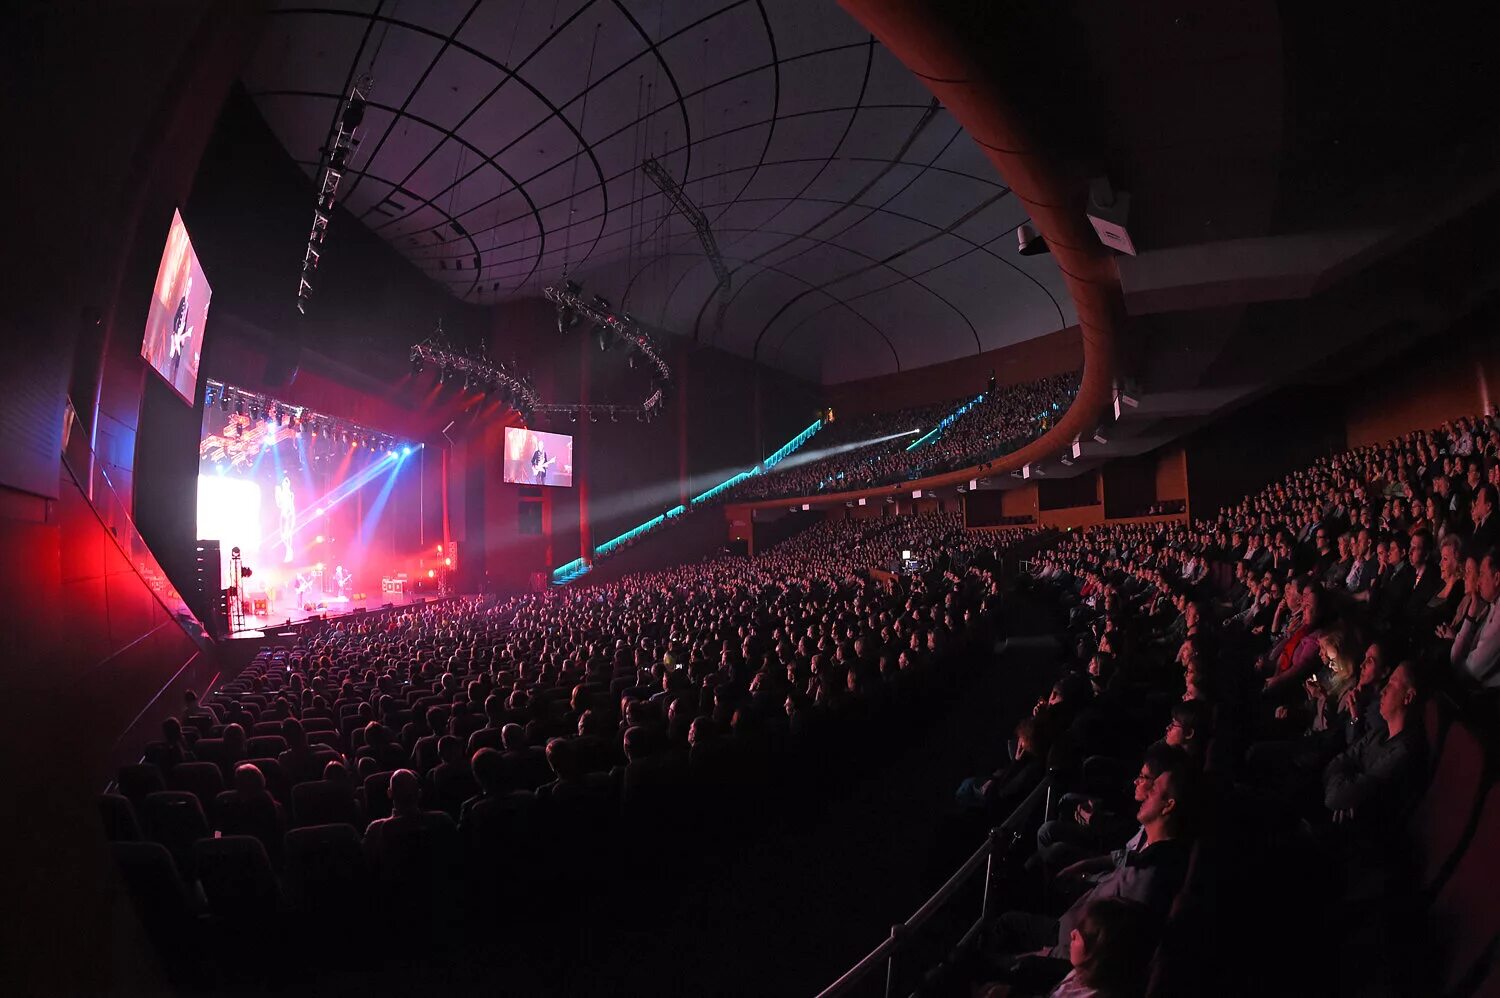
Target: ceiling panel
column 819, row 163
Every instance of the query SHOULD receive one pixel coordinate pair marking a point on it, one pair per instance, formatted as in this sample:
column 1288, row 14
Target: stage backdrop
column 308, row 510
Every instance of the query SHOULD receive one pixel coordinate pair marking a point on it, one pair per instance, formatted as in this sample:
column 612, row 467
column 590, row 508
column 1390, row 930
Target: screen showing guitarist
column 540, row 462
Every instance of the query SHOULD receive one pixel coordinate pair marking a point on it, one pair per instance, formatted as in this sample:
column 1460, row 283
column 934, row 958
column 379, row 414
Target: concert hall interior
column 709, row 497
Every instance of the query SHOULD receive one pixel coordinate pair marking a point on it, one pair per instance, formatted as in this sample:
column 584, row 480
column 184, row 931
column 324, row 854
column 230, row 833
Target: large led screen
column 173, row 343
column 536, row 458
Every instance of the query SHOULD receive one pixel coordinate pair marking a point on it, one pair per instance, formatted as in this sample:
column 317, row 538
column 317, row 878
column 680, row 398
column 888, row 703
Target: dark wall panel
column 1258, row 444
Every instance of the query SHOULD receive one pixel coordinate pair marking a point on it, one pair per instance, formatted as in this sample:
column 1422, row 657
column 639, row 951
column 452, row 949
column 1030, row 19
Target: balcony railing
column 903, row 934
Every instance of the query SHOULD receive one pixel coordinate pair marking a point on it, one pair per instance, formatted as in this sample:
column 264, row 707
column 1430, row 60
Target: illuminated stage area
column 313, row 515
column 264, row 616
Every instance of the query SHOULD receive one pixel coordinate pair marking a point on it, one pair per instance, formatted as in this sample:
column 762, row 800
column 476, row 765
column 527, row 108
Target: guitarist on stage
column 540, row 462
column 180, row 332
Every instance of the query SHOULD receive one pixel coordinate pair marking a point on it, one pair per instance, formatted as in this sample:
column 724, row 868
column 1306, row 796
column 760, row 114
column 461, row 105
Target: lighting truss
column 675, row 194
column 569, row 299
column 258, row 406
column 340, row 149
column 476, row 370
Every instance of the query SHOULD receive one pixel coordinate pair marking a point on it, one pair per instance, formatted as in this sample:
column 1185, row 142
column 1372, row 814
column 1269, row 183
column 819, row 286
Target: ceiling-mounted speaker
column 1029, row 241
column 1109, row 212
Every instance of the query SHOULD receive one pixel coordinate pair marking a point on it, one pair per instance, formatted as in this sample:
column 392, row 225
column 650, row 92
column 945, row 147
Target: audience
column 952, row 435
column 1281, row 649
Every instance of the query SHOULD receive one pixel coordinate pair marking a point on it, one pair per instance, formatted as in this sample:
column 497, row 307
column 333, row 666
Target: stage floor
column 331, row 607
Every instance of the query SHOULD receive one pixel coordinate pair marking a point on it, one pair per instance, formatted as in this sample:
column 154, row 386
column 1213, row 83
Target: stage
column 278, row 617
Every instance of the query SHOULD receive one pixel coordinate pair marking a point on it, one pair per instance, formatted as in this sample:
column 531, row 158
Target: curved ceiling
column 865, row 232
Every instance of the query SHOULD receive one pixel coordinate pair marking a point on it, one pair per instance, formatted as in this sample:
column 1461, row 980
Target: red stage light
column 431, row 573
column 318, row 539
column 448, row 562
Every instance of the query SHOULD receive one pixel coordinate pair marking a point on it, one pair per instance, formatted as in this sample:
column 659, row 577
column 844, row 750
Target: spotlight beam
column 808, row 457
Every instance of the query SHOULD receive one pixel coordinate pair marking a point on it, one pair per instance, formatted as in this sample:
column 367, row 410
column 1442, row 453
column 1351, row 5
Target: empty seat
column 175, row 819
column 201, row 779
column 1444, row 812
column 322, row 802
column 139, row 780
column 236, row 876
column 265, row 745
column 323, row 737
column 1464, row 919
column 120, row 824
column 325, row 867
column 212, row 750
column 161, row 896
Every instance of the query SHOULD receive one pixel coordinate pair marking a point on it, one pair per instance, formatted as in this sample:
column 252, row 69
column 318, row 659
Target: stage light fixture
column 223, row 403
column 406, row 451
column 354, row 113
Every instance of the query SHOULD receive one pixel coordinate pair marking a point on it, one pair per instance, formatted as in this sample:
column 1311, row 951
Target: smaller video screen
column 536, row 458
column 173, row 344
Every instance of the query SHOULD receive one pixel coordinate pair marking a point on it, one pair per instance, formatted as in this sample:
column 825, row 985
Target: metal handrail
column 901, row 933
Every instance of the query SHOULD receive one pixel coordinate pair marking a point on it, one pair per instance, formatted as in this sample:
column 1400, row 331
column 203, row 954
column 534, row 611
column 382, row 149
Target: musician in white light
column 286, row 504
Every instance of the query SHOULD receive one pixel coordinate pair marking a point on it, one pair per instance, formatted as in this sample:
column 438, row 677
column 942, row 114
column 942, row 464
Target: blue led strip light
column 577, row 567
column 948, row 420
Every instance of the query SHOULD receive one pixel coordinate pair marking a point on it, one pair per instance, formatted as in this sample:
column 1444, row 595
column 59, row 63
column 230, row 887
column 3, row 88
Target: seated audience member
column 489, row 736
column 1008, row 785
column 1109, row 953
column 528, row 767
column 1150, row 875
column 249, row 809
column 489, row 772
column 405, row 790
column 1365, row 566
column 1485, row 535
column 1374, row 783
column 451, row 780
column 1476, row 646
column 174, row 747
column 1083, row 846
column 1295, row 658
column 1190, row 729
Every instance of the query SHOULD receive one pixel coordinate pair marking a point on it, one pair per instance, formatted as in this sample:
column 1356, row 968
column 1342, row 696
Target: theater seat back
column 1463, row 921
column 1445, row 813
